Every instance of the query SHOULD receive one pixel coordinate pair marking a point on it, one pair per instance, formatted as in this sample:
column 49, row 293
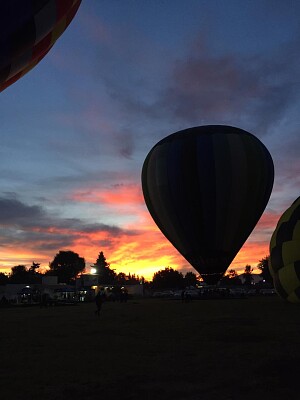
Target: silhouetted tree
column 168, row 279
column 133, row 279
column 3, row 279
column 121, row 278
column 232, row 274
column 231, row 278
column 66, row 265
column 190, row 279
column 105, row 273
column 248, row 278
column 34, row 276
column 34, row 266
column 263, row 266
column 19, row 274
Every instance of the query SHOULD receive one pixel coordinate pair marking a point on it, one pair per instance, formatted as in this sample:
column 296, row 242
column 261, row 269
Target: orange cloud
column 138, row 247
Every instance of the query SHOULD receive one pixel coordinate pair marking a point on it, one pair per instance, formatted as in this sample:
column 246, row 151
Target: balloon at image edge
column 28, row 30
column 285, row 254
column 206, row 188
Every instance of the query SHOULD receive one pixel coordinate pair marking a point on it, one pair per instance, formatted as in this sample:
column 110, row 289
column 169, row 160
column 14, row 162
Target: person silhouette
column 183, row 296
column 99, row 299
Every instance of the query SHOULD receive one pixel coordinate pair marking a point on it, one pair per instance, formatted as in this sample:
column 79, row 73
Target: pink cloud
column 116, row 196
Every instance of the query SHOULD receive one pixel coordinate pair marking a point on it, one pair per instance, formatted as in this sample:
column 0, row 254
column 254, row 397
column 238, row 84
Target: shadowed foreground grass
column 152, row 349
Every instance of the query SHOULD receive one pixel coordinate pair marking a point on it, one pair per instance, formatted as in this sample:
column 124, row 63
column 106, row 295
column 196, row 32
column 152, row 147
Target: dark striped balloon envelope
column 28, row 30
column 285, row 254
column 206, row 188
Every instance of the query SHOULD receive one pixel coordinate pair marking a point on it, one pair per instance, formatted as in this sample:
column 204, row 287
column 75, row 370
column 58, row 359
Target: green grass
column 152, row 349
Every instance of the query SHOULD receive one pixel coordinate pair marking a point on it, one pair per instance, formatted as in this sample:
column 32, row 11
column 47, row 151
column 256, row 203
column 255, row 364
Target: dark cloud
column 14, row 212
column 255, row 91
column 125, row 144
column 38, row 240
column 35, row 227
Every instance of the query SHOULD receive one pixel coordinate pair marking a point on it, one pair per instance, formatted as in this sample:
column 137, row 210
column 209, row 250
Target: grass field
column 152, row 349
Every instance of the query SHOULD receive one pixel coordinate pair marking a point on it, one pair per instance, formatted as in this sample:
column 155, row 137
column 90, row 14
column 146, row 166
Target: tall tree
column 34, row 266
column 66, row 265
column 101, row 260
column 105, row 273
column 35, row 277
column 168, row 279
column 248, row 278
column 263, row 266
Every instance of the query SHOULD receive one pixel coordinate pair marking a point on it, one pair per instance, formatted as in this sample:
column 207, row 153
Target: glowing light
column 93, row 271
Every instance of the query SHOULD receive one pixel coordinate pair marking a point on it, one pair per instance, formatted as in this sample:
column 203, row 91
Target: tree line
column 67, row 265
column 170, row 278
column 232, row 277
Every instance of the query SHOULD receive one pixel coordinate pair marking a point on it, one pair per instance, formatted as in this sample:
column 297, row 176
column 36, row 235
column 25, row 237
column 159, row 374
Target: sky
column 126, row 73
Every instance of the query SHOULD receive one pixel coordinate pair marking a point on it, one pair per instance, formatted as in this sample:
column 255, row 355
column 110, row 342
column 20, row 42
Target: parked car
column 237, row 292
column 251, row 292
column 163, row 294
column 267, row 292
column 192, row 293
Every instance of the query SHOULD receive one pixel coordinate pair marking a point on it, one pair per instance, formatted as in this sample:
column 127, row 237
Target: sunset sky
column 76, row 129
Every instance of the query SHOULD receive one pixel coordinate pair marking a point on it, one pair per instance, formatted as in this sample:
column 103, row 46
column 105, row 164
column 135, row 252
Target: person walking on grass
column 99, row 299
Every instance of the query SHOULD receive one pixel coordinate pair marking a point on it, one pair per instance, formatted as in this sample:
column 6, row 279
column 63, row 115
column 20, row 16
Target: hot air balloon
column 28, row 30
column 285, row 254
column 206, row 188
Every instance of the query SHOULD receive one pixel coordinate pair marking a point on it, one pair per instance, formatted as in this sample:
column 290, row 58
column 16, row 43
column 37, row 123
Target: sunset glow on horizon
column 136, row 248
